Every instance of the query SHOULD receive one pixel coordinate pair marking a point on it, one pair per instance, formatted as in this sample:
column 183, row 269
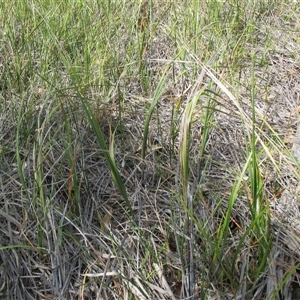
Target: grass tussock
column 149, row 150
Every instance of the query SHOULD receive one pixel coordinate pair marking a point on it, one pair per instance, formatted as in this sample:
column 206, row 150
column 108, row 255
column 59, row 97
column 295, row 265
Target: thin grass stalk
column 187, row 193
column 157, row 94
column 19, row 150
column 38, row 193
column 73, row 190
column 108, row 155
column 287, row 276
column 41, row 205
column 246, row 120
column 208, row 120
column 261, row 236
column 223, row 231
column 255, row 178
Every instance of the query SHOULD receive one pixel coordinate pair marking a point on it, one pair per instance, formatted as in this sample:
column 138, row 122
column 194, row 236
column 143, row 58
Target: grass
column 145, row 150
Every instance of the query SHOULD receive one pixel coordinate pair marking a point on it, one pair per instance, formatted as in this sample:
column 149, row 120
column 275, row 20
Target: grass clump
column 146, row 150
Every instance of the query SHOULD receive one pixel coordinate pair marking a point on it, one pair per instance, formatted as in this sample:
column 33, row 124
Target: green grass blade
column 158, row 92
column 107, row 154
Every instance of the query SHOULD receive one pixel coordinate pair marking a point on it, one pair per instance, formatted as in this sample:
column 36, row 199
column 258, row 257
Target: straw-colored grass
column 149, row 149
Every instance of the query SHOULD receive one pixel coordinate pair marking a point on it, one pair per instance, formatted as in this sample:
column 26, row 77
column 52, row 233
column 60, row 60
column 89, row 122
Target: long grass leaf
column 158, row 92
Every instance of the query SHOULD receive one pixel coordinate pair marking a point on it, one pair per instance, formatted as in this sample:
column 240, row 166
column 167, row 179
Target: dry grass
column 192, row 230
